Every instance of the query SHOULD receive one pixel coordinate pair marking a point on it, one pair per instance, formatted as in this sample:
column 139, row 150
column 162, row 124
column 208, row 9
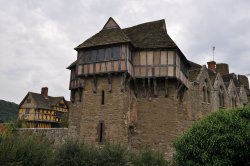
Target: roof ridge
column 150, row 22
column 43, row 95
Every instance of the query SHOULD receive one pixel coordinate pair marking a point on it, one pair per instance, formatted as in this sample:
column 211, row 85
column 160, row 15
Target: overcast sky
column 37, row 37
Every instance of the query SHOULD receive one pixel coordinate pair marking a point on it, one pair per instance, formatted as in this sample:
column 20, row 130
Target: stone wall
column 56, row 135
column 143, row 115
column 160, row 121
column 86, row 116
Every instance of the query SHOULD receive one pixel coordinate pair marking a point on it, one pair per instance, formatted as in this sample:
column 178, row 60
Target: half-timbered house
column 43, row 111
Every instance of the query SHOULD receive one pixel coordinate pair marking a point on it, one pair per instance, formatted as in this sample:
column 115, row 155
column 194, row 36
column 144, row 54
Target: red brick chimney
column 212, row 65
column 44, row 91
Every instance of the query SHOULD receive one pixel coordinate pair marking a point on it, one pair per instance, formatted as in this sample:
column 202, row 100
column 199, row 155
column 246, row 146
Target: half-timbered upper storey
column 144, row 50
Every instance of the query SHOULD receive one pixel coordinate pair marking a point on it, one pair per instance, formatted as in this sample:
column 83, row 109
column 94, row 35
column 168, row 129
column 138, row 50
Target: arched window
column 234, row 100
column 221, row 97
column 208, row 96
column 206, row 92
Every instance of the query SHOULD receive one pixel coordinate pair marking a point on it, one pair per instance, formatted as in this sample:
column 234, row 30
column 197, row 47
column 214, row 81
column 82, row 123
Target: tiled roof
column 248, row 92
column 146, row 35
column 226, row 78
column 150, row 35
column 193, row 74
column 212, row 75
column 194, row 65
column 72, row 65
column 105, row 37
column 43, row 101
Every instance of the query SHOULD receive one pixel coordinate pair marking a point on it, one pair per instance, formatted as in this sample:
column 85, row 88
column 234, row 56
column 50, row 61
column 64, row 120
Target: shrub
column 223, row 138
column 74, row 153
column 113, row 155
column 148, row 158
column 24, row 150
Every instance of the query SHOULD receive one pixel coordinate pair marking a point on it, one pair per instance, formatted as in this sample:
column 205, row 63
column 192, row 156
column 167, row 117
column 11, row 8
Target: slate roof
column 194, row 65
column 248, row 92
column 150, row 35
column 226, row 78
column 146, row 35
column 72, row 65
column 193, row 74
column 212, row 75
column 105, row 37
column 195, row 70
column 43, row 101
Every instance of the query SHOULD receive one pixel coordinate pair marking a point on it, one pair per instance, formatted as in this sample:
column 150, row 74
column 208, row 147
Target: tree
column 223, row 138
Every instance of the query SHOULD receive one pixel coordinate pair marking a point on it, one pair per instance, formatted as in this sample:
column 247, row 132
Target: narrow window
column 232, row 102
column 27, row 111
column 101, row 132
column 222, row 100
column 221, row 97
column 103, row 95
column 208, row 96
column 204, row 94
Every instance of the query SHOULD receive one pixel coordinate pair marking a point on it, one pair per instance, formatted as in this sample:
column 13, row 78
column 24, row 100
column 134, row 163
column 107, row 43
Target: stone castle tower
column 136, row 87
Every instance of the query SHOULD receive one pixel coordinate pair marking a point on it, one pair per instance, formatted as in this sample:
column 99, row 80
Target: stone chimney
column 212, row 65
column 44, row 91
column 222, row 68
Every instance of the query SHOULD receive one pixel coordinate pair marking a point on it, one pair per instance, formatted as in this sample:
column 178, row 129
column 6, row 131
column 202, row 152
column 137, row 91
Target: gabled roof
column 150, row 35
column 43, row 101
column 110, row 24
column 196, row 69
column 194, row 65
column 72, row 65
column 212, row 75
column 248, row 92
column 146, row 35
column 226, row 78
column 193, row 74
column 108, row 35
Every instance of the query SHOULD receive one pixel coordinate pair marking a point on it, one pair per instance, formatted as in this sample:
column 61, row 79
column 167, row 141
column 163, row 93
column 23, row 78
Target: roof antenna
column 213, row 52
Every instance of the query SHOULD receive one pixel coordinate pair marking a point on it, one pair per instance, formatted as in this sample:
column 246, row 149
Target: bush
column 24, row 150
column 74, row 153
column 113, row 155
column 223, row 138
column 148, row 158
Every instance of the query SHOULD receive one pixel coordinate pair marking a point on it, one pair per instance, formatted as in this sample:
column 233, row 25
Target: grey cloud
column 37, row 37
